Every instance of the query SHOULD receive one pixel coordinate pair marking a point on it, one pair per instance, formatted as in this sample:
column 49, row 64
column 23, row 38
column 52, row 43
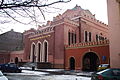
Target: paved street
column 37, row 75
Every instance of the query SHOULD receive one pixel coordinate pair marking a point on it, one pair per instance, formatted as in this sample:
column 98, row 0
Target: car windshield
column 102, row 71
column 103, row 65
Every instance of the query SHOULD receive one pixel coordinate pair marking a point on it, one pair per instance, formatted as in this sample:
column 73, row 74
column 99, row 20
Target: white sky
column 97, row 7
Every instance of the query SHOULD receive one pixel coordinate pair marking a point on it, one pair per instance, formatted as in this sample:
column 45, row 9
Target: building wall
column 74, row 21
column 16, row 54
column 114, row 24
column 4, row 57
column 96, row 28
column 11, row 41
column 11, row 44
column 59, row 46
column 27, row 45
column 78, row 52
column 45, row 37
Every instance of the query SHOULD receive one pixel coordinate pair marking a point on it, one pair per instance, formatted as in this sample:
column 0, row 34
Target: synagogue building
column 73, row 40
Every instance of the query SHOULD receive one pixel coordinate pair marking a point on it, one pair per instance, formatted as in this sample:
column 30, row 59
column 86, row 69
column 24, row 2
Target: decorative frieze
column 88, row 44
column 40, row 37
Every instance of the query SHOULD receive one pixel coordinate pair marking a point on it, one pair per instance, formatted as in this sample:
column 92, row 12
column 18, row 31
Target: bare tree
column 18, row 10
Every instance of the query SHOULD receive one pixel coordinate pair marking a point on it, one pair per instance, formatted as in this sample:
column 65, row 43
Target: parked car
column 9, row 68
column 2, row 77
column 103, row 66
column 107, row 74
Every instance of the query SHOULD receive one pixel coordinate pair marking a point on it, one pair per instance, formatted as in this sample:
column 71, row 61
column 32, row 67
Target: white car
column 2, row 77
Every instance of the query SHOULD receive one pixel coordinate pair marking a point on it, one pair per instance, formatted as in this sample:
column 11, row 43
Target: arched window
column 85, row 36
column 39, row 54
column 72, row 37
column 68, row 38
column 90, row 36
column 75, row 38
column 32, row 56
column 97, row 38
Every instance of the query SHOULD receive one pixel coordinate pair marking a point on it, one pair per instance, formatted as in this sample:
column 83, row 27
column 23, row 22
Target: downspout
column 54, row 49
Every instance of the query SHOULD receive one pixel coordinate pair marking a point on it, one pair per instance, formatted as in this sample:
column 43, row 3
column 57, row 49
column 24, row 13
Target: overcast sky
column 97, row 7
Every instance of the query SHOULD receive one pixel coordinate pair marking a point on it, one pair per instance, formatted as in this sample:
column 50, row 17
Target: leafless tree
column 18, row 10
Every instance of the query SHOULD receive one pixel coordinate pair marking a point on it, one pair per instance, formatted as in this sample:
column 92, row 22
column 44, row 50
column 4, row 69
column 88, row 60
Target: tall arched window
column 75, row 38
column 68, row 38
column 39, row 56
column 85, row 36
column 45, row 51
column 90, row 36
column 72, row 37
column 97, row 38
column 32, row 56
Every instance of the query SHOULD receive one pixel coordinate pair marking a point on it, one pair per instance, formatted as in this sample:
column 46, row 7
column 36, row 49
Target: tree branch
column 29, row 4
column 14, row 18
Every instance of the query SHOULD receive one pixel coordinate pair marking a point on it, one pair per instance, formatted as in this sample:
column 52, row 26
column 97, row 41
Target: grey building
column 11, row 41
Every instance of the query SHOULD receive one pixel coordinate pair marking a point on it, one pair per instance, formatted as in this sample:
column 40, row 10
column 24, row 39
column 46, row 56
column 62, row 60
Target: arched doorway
column 90, row 62
column 72, row 63
column 16, row 60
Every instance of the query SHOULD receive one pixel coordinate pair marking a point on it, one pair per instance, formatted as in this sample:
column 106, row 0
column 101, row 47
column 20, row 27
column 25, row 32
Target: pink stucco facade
column 47, row 43
column 114, row 24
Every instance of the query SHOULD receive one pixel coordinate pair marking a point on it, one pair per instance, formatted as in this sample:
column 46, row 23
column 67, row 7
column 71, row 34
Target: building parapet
column 88, row 44
column 47, row 30
column 94, row 21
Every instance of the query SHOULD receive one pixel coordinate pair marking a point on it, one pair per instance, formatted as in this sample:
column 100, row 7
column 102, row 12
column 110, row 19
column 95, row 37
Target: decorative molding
column 87, row 44
column 42, row 37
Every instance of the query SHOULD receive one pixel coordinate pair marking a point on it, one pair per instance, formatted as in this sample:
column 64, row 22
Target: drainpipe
column 54, row 49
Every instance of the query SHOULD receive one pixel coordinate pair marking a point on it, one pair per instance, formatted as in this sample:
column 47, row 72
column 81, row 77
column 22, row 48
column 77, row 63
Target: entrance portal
column 90, row 61
column 72, row 63
column 16, row 60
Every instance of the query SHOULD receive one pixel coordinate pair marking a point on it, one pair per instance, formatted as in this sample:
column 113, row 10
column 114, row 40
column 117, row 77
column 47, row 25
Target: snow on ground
column 48, row 76
column 55, row 77
column 65, row 77
column 34, row 72
column 53, row 69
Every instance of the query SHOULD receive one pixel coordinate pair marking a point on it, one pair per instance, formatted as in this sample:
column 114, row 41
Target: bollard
column 33, row 68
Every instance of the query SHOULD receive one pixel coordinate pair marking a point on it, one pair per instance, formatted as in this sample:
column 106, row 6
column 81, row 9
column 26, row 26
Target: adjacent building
column 11, row 43
column 114, row 24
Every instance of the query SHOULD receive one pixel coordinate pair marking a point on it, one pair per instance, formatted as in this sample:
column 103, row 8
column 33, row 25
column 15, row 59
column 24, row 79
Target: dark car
column 107, row 74
column 9, row 68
